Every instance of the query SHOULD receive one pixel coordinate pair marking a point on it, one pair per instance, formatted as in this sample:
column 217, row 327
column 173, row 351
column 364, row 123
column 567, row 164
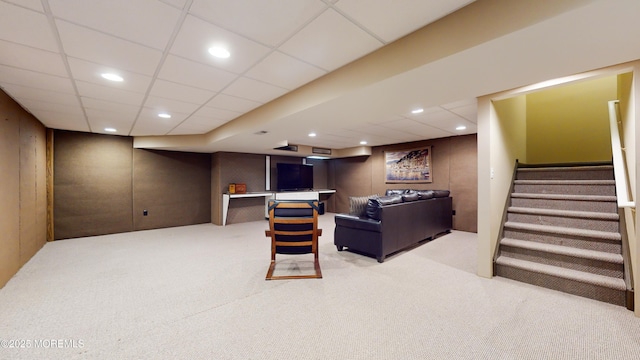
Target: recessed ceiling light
column 417, row 111
column 461, row 127
column 219, row 52
column 112, row 77
column 164, row 115
column 110, row 130
column 363, row 142
column 312, row 134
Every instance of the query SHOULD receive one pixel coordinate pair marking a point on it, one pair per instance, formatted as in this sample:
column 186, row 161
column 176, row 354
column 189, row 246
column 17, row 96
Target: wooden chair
column 293, row 228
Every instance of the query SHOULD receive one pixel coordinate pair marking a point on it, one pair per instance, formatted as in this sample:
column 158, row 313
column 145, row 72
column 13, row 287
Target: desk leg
column 225, row 208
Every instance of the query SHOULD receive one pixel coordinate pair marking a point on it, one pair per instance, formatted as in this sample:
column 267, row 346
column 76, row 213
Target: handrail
column 626, row 205
column 619, row 165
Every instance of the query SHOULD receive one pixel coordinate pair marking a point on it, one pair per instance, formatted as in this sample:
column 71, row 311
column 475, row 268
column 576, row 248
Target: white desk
column 227, row 197
column 302, row 195
column 286, row 195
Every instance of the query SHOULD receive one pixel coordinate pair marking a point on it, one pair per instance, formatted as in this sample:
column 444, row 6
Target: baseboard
column 630, row 302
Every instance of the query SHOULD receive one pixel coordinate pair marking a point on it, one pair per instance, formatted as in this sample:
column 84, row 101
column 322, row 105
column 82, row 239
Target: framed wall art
column 408, row 166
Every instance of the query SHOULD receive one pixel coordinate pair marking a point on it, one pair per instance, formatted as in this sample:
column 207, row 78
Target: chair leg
column 272, row 267
column 317, row 273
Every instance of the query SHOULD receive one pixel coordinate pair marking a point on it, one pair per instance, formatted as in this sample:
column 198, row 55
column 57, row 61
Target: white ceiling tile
column 30, row 58
column 194, row 74
column 31, row 4
column 450, row 124
column 460, row 103
column 179, row 4
column 27, row 27
column 196, row 125
column 197, row 36
column 149, row 129
column 10, row 75
column 147, row 22
column 36, row 105
column 150, row 115
column 418, row 128
column 99, row 119
column 269, row 22
column 159, row 104
column 282, row 70
column 122, row 110
column 205, row 121
column 63, row 121
column 435, row 115
column 86, row 44
column 217, row 114
column 149, row 124
column 330, row 41
column 90, row 72
column 254, row 90
column 469, row 112
column 233, row 103
column 167, row 89
column 107, row 93
column 392, row 19
column 21, row 92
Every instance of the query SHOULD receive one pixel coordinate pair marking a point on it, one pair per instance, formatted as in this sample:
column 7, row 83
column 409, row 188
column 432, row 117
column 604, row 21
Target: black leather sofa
column 393, row 222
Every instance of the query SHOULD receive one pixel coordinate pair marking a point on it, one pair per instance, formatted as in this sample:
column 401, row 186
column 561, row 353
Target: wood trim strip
column 49, row 176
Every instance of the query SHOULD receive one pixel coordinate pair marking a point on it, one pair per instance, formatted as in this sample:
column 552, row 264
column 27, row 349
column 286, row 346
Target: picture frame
column 408, row 166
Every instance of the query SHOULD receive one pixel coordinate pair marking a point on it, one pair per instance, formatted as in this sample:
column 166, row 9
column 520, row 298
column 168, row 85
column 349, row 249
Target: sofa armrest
column 360, row 223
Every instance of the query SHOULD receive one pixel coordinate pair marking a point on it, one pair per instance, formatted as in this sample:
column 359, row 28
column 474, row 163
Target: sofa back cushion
column 425, row 194
column 410, row 196
column 395, row 192
column 374, row 205
column 441, row 193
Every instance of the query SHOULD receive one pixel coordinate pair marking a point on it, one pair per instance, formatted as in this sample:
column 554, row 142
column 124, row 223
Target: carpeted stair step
column 566, row 218
column 594, row 203
column 598, row 287
column 605, row 235
column 601, row 172
column 556, row 235
column 596, row 262
column 574, row 187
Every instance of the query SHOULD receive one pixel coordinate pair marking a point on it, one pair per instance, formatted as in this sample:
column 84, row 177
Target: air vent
column 322, row 151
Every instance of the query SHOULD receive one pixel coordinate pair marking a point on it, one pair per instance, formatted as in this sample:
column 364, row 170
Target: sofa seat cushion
column 359, row 223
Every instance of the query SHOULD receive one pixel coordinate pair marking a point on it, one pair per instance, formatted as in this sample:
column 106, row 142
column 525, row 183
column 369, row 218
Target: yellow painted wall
column 570, row 123
column 512, row 118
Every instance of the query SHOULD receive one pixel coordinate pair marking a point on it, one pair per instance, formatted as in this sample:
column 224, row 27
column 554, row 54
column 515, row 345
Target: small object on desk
column 241, row 188
column 232, row 188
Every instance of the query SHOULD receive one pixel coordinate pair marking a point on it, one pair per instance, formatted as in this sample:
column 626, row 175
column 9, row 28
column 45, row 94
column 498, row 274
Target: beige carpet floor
column 198, row 292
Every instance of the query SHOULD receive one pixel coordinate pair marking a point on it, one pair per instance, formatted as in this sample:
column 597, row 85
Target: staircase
column 562, row 232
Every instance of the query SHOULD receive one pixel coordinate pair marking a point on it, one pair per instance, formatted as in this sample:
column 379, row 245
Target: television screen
column 295, row 177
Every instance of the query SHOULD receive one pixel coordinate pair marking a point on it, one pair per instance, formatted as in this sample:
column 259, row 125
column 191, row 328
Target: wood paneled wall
column 102, row 185
column 23, row 206
column 454, row 162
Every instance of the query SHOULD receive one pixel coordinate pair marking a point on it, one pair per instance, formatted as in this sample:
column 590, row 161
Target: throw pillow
column 358, row 204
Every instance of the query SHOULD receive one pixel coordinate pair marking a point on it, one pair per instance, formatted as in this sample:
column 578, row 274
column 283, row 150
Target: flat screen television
column 295, row 177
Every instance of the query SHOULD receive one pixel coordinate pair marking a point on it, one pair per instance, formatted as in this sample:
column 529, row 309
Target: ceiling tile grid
column 53, row 53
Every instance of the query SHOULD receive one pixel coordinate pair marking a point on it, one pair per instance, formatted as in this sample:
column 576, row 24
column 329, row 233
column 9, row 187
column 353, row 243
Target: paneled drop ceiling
column 53, row 52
